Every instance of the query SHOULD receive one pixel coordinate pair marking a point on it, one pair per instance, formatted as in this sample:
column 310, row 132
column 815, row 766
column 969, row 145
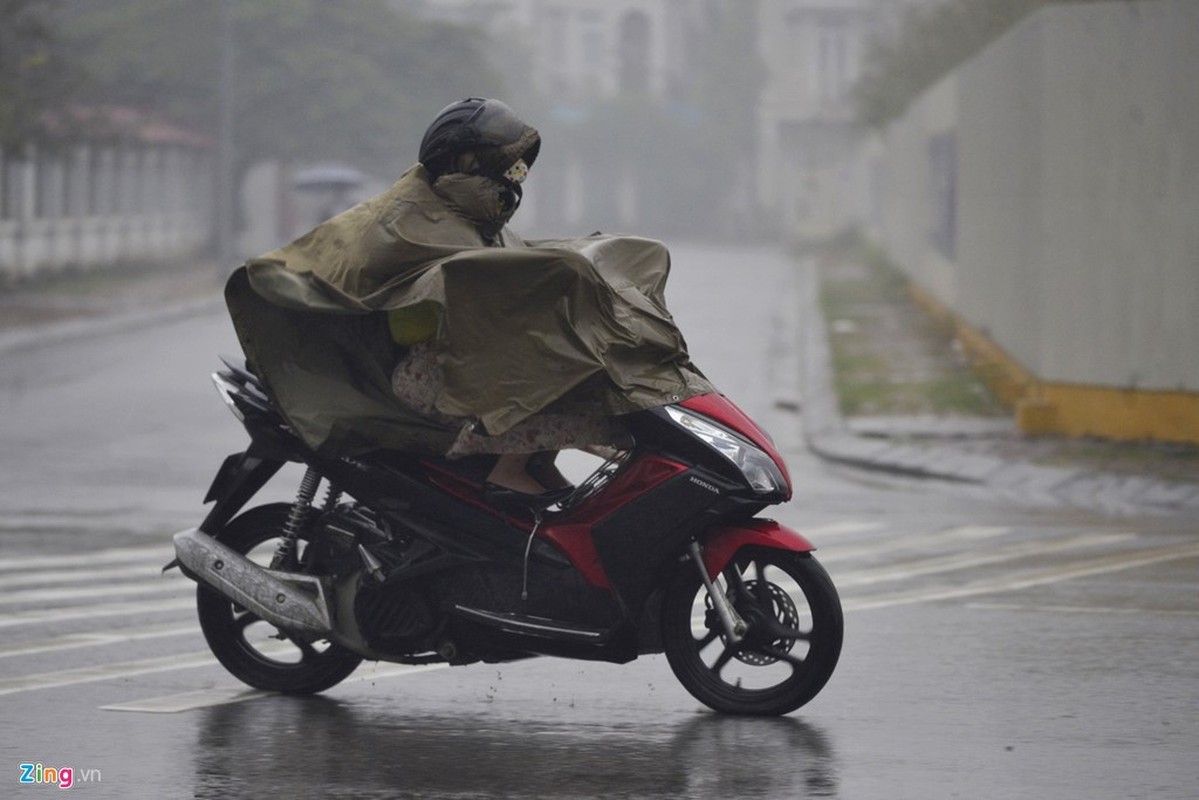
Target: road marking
column 960, row 561
column 971, row 533
column 1107, row 563
column 147, row 666
column 127, row 669
column 1117, row 562
column 205, row 698
column 104, row 672
column 188, row 701
column 44, row 616
column 843, row 527
column 163, row 585
column 1106, row 611
column 73, row 641
column 77, row 559
column 41, row 577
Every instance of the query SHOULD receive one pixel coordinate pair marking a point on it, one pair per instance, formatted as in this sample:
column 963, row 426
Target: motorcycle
column 659, row 550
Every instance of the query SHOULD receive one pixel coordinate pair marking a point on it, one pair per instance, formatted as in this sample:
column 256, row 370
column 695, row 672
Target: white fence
column 93, row 205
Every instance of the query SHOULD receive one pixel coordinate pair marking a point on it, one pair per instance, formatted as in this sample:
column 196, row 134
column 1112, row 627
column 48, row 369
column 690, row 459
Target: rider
column 474, row 157
column 506, row 348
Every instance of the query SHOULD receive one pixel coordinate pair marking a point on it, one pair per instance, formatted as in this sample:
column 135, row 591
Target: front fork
column 734, row 626
column 721, row 546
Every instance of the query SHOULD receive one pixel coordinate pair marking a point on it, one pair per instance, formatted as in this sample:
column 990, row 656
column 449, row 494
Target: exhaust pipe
column 288, row 600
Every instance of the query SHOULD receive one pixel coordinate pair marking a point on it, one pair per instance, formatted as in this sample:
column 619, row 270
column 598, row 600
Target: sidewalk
column 92, row 304
column 985, row 453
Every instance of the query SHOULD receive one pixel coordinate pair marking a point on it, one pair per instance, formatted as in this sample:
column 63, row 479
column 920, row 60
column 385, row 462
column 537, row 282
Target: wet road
column 990, row 651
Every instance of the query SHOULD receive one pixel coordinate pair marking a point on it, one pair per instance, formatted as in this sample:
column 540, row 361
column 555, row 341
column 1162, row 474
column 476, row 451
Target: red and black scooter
column 402, row 560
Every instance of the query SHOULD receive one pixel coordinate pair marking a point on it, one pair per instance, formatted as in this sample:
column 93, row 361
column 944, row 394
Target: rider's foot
column 501, row 496
column 509, row 473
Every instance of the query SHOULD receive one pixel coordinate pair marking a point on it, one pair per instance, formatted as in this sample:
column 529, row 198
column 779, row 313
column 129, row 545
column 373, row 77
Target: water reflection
column 322, row 747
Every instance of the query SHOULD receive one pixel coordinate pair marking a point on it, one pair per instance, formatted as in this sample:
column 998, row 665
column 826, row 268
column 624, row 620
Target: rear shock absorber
column 297, row 520
column 332, row 497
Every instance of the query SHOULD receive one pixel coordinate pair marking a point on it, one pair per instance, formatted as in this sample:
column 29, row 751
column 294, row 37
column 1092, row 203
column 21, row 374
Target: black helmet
column 477, row 124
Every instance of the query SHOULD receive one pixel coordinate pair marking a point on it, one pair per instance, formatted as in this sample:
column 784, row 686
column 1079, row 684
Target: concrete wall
column 907, row 216
column 1075, row 245
column 813, row 51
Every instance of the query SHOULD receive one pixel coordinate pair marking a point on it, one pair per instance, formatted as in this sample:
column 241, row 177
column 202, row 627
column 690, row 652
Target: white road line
column 960, row 561
column 187, row 701
column 50, row 616
column 1116, row 562
column 1111, row 562
column 46, row 577
column 147, row 666
column 88, row 559
column 843, row 527
column 967, row 532
column 205, row 698
column 104, row 672
column 72, row 641
column 1106, row 611
column 163, row 586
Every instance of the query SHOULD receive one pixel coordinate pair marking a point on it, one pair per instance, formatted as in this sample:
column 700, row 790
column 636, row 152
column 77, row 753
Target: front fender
column 721, row 544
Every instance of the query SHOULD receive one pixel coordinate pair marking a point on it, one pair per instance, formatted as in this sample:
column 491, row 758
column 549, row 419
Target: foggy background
column 1031, row 165
column 656, row 115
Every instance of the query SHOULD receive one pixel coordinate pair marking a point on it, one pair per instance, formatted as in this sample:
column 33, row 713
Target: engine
column 351, row 542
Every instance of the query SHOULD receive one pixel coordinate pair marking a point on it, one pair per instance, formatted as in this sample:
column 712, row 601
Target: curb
column 825, row 430
column 830, row 438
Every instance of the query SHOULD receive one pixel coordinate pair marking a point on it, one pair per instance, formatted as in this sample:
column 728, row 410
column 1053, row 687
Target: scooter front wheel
column 254, row 651
column 792, row 641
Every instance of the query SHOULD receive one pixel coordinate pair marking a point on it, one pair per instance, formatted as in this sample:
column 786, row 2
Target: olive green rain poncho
column 572, row 326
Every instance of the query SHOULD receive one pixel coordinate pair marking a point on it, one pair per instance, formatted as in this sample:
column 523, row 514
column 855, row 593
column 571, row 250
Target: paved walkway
column 98, row 305
column 960, row 450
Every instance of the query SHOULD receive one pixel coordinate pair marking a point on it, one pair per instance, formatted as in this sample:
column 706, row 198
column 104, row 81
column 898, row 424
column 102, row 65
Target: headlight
column 759, row 469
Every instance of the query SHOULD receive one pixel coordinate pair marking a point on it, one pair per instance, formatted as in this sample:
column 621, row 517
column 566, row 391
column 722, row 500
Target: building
column 572, row 64
column 579, row 51
column 803, row 176
column 815, row 51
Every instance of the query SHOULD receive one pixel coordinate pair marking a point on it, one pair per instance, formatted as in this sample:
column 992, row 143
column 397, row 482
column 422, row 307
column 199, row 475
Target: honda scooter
column 401, row 558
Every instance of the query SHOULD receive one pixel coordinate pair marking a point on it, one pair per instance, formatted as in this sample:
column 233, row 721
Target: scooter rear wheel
column 792, row 642
column 254, row 651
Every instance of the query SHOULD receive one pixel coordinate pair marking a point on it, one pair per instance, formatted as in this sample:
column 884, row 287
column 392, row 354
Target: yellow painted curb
column 1043, row 408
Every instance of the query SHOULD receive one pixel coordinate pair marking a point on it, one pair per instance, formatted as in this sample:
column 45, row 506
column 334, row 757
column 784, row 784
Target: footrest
column 528, row 625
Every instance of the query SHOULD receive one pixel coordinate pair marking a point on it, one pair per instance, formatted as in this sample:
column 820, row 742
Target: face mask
column 517, row 172
column 486, row 202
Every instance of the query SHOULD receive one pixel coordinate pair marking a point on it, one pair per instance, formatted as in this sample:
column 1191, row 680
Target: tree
column 315, row 80
column 37, row 73
column 933, row 41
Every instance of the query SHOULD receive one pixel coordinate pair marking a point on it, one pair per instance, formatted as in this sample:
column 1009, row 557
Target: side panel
column 635, row 542
column 239, row 478
column 576, row 542
column 722, row 543
column 573, row 535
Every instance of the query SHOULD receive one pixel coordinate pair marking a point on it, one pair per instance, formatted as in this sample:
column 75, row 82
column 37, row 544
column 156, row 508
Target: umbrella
column 328, row 176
